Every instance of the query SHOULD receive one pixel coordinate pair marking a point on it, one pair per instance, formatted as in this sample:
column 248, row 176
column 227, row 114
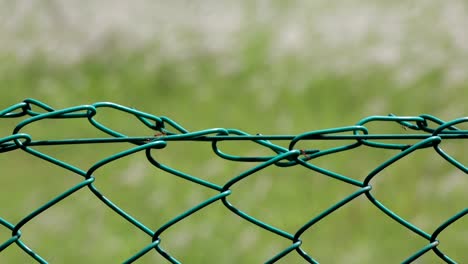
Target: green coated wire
column 431, row 131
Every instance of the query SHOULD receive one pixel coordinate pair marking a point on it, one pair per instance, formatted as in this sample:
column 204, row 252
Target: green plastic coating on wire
column 167, row 130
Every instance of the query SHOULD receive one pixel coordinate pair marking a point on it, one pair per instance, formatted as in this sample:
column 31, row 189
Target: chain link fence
column 425, row 130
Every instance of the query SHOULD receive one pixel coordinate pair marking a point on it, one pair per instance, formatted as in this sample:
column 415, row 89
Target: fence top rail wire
column 420, row 132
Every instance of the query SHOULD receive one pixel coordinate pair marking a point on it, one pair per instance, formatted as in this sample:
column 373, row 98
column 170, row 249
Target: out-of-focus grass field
column 258, row 87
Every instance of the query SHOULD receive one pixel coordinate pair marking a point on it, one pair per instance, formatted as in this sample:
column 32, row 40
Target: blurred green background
column 270, row 67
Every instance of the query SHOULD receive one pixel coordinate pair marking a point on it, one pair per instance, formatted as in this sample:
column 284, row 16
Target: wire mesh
column 431, row 131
